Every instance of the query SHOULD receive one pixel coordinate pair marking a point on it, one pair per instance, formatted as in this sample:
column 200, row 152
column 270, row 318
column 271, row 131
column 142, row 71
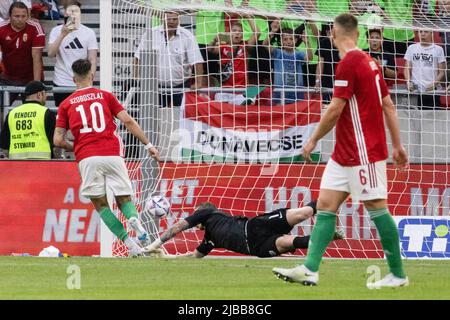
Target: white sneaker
column 389, row 281
column 299, row 274
column 134, row 250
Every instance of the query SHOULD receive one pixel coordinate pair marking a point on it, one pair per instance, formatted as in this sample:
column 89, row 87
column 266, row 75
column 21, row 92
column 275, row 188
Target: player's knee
column 325, row 204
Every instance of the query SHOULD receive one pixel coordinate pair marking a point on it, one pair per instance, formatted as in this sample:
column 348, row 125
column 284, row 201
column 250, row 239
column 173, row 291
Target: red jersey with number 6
column 89, row 114
column 360, row 132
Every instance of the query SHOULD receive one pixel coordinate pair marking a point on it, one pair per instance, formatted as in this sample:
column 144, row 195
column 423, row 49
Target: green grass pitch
column 146, row 278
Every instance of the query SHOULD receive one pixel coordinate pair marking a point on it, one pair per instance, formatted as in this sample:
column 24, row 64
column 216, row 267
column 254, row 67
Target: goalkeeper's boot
column 134, row 250
column 389, row 281
column 339, row 234
column 143, row 236
column 299, row 274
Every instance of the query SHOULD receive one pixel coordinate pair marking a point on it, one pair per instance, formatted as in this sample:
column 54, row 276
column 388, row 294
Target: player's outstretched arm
column 399, row 155
column 169, row 234
column 136, row 130
column 327, row 122
column 59, row 139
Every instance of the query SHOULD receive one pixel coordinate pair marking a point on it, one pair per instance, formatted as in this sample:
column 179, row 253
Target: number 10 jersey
column 90, row 114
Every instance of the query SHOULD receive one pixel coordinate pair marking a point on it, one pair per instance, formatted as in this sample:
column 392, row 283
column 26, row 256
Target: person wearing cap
column 27, row 132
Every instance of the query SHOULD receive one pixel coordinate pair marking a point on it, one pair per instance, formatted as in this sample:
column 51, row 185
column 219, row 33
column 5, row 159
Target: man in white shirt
column 425, row 69
column 177, row 51
column 68, row 43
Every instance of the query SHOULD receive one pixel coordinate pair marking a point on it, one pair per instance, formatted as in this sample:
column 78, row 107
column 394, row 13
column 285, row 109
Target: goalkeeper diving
column 263, row 236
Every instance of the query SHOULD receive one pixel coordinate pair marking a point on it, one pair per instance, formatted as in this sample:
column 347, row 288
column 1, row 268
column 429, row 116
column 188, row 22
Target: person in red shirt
column 358, row 163
column 89, row 113
column 21, row 42
column 233, row 52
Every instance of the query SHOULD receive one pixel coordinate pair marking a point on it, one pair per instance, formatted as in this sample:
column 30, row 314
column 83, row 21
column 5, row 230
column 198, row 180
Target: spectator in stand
column 288, row 66
column 328, row 60
column 384, row 58
column 28, row 129
column 21, row 42
column 398, row 12
column 207, row 25
column 70, row 42
column 178, row 52
column 233, row 53
column 425, row 69
column 258, row 57
column 309, row 29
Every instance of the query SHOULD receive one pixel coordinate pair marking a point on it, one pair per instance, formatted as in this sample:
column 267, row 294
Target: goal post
column 236, row 139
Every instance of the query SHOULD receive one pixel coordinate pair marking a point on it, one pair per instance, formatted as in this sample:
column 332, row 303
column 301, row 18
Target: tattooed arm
column 169, row 234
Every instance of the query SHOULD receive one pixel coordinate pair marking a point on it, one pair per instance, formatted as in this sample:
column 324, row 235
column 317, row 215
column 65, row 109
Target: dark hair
column 374, row 30
column 81, row 67
column 72, row 3
column 19, row 5
column 287, row 31
column 347, row 21
column 326, row 27
column 206, row 205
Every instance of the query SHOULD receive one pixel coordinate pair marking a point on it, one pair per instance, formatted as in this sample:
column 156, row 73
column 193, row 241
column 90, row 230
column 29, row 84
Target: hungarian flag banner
column 213, row 131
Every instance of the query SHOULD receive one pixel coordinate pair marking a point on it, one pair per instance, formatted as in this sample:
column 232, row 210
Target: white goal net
column 230, row 90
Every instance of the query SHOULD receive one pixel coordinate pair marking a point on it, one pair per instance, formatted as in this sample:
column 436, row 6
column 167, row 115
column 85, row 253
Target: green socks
column 389, row 240
column 113, row 223
column 321, row 236
column 323, row 233
column 129, row 210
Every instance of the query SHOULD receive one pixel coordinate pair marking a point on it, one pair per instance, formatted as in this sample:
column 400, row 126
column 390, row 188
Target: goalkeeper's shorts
column 263, row 232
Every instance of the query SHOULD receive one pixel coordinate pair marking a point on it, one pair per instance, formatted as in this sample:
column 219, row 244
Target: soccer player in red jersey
column 89, row 113
column 21, row 42
column 358, row 163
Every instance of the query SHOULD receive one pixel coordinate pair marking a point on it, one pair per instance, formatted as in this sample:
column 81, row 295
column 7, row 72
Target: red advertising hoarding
column 254, row 189
column 41, row 205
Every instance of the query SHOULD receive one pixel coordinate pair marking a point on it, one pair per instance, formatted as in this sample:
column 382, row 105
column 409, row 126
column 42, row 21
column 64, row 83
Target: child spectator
column 384, row 58
column 233, row 54
column 425, row 69
column 288, row 66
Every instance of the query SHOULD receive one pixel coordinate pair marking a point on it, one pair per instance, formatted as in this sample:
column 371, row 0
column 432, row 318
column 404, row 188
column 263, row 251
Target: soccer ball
column 158, row 206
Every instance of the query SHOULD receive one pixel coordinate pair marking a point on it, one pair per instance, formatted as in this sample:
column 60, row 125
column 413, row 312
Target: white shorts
column 98, row 173
column 365, row 182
